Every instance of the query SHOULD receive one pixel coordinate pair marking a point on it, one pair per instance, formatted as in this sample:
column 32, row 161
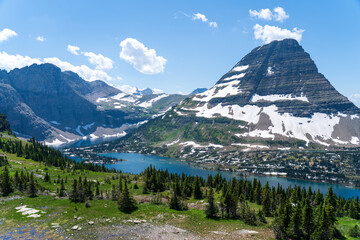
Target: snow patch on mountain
column 219, row 91
column 278, row 97
column 319, row 128
column 196, row 145
column 240, row 68
column 250, row 145
column 148, row 104
column 237, row 76
column 269, row 71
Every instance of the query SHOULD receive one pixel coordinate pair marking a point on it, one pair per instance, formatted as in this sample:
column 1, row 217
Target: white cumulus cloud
column 127, row 89
column 203, row 18
column 101, row 62
column 199, row 16
column 143, row 59
column 9, row 62
column 40, row 38
column 278, row 14
column 73, row 49
column 6, row 33
column 265, row 14
column 270, row 33
column 83, row 71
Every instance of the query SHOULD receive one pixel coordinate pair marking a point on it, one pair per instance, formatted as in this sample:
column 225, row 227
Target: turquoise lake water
column 136, row 163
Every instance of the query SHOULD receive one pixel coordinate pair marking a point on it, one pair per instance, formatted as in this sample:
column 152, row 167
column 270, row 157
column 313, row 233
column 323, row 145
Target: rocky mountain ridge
column 60, row 107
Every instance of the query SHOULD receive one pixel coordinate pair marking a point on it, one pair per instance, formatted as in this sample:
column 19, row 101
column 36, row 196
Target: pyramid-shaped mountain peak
column 280, row 73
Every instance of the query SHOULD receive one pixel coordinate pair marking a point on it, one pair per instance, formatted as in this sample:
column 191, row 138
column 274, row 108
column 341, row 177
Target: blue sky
column 177, row 46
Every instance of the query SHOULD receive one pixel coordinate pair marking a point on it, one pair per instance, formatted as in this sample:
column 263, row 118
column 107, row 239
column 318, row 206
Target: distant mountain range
column 60, row 107
column 273, row 99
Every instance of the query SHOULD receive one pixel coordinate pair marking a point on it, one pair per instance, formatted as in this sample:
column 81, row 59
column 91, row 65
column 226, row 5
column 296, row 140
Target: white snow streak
column 219, row 91
column 278, row 97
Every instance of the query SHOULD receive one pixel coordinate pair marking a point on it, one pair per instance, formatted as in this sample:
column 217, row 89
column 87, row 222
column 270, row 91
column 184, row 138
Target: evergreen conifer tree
column 197, row 188
column 354, row 232
column 126, row 202
column 74, row 193
column 230, row 204
column 62, row 189
column 32, row 186
column 295, row 223
column 307, row 223
column 211, row 209
column 47, row 177
column 266, row 200
column 6, row 182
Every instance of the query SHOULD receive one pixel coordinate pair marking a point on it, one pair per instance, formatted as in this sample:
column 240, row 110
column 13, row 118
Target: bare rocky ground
column 148, row 231
column 127, row 230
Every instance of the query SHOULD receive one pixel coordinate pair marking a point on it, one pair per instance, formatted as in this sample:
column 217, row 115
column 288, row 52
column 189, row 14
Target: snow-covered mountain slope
column 273, row 97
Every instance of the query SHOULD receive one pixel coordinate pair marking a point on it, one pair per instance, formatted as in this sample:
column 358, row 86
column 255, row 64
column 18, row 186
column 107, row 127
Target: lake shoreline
column 226, row 168
column 136, row 163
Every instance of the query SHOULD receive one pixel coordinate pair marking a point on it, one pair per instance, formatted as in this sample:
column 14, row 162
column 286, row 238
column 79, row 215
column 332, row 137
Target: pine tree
column 126, row 202
column 74, row 193
column 354, row 232
column 62, row 189
column 295, row 223
column 354, row 210
column 261, row 216
column 266, row 200
column 211, row 209
column 175, row 202
column 32, row 186
column 47, row 177
column 97, row 191
column 120, row 185
column 114, row 195
column 230, row 204
column 6, row 182
column 17, row 180
column 197, row 188
column 307, row 223
column 278, row 225
column 257, row 192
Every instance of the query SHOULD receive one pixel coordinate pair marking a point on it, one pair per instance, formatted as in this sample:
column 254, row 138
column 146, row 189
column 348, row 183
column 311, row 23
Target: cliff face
column 43, row 102
column 273, row 96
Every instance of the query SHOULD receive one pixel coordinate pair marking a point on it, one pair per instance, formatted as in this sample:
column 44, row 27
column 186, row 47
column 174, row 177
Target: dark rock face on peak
column 284, row 68
column 89, row 90
column 44, row 90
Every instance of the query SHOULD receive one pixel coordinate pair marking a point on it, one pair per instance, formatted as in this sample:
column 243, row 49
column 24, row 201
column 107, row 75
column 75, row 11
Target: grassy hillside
column 100, row 217
column 57, row 216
